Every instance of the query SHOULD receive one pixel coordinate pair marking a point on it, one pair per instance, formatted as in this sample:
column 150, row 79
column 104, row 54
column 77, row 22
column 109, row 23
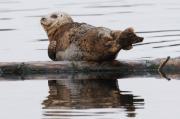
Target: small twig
column 164, row 75
column 163, row 64
column 160, row 69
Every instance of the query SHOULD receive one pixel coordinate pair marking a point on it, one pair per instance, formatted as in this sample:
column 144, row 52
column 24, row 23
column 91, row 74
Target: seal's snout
column 43, row 19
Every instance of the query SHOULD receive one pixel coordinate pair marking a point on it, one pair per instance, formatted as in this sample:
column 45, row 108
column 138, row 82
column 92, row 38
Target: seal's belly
column 74, row 53
column 71, row 53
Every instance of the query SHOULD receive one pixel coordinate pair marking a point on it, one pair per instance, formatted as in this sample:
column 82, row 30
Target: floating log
column 57, row 67
column 90, row 76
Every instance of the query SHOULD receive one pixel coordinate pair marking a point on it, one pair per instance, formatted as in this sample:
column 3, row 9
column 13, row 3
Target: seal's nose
column 43, row 19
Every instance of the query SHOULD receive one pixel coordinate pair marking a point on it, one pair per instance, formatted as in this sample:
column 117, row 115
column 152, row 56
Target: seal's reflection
column 90, row 94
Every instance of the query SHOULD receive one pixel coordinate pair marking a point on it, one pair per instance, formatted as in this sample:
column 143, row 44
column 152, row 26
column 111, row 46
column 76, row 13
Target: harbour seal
column 69, row 40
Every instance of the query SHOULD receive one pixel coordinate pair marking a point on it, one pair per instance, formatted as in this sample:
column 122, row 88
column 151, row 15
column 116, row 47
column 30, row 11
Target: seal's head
column 54, row 20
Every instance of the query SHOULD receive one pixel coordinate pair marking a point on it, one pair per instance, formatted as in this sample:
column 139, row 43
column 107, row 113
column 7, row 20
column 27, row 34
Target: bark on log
column 90, row 76
column 51, row 67
column 48, row 67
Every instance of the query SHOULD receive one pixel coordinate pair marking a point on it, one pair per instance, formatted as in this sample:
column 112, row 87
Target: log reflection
column 88, row 94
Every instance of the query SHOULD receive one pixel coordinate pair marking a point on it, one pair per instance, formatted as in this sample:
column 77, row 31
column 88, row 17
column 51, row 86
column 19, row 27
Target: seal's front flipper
column 52, row 50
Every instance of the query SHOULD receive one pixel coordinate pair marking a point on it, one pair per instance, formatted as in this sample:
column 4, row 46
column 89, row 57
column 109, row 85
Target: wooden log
column 90, row 75
column 52, row 67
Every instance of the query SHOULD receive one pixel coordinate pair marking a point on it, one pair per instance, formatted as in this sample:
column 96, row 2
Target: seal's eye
column 54, row 16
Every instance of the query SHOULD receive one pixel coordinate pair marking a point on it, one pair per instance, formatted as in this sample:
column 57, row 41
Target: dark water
column 50, row 97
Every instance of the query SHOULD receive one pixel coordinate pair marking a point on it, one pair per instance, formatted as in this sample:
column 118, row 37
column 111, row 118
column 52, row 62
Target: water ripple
column 84, row 3
column 158, row 31
column 164, row 41
column 22, row 10
column 171, row 35
column 164, row 46
column 36, row 16
column 114, row 6
column 40, row 40
column 100, row 14
column 6, row 18
column 65, row 115
column 7, row 29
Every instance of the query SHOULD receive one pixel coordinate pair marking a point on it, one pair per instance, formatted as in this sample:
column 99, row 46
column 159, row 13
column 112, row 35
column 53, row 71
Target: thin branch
column 160, row 69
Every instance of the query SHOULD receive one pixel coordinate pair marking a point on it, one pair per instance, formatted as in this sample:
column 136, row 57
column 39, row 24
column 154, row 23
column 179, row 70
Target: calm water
column 143, row 97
